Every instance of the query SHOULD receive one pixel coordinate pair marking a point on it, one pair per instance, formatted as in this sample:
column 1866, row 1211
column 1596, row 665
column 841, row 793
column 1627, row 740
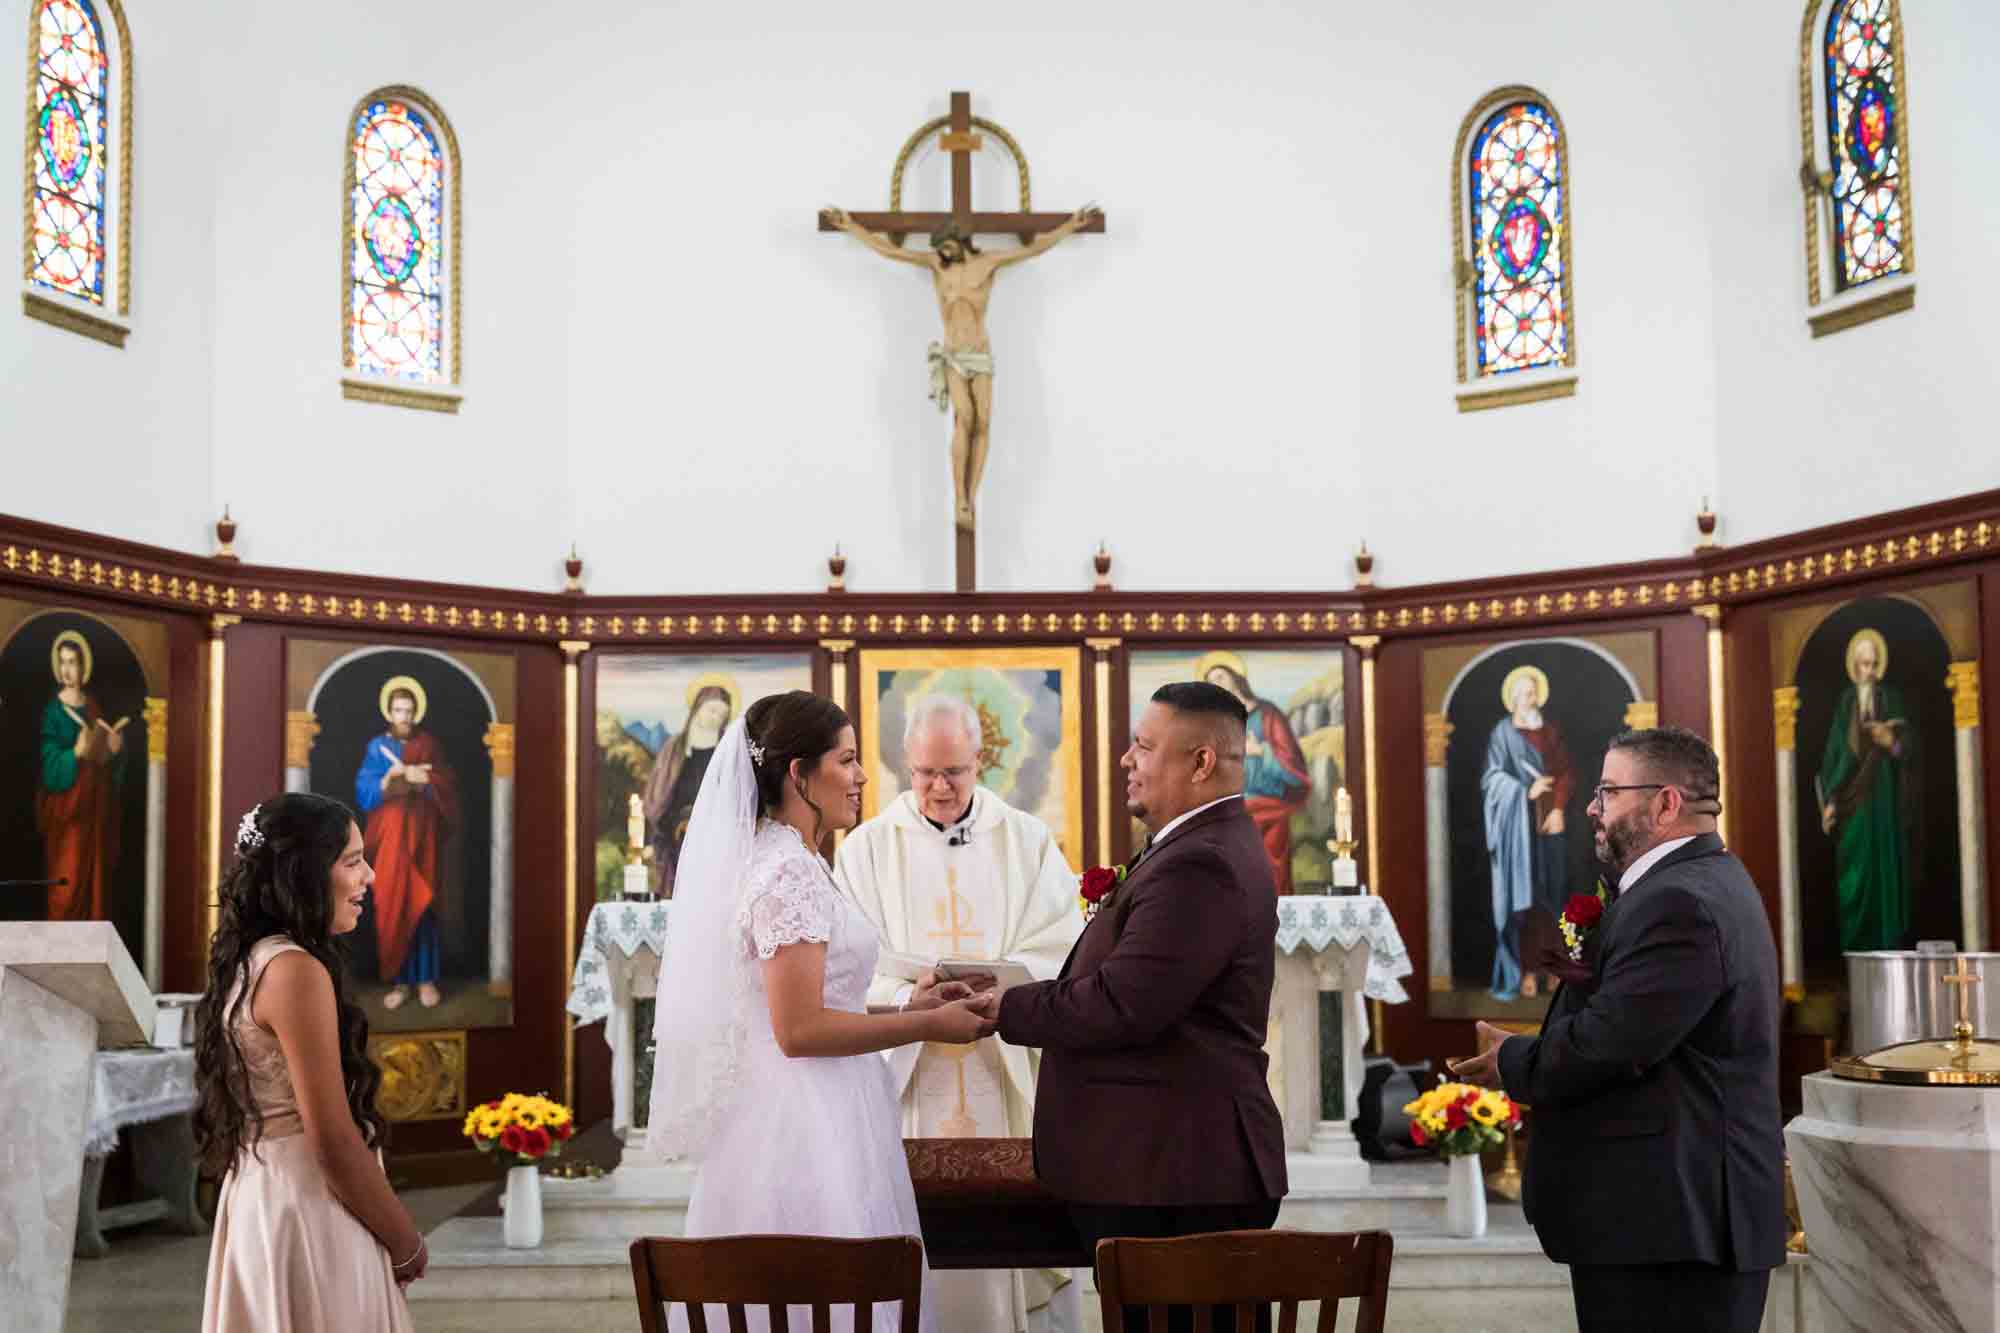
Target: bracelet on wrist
column 414, row 1256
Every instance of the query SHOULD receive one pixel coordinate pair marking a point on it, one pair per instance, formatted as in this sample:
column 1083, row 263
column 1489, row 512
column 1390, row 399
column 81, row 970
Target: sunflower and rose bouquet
column 520, row 1129
column 1458, row 1118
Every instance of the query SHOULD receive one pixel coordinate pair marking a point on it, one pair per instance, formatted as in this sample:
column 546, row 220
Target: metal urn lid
column 1963, row 1060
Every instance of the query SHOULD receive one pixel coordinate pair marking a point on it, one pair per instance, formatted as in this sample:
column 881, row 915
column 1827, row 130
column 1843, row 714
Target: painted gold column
column 300, row 729
column 1717, row 714
column 1366, row 644
column 156, row 837
column 837, row 651
column 1963, row 678
column 1437, row 846
column 500, row 911
column 1785, row 727
column 573, row 650
column 1106, row 761
column 218, row 627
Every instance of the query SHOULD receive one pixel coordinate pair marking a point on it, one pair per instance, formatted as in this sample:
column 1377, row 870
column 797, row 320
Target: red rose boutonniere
column 1094, row 890
column 1580, row 917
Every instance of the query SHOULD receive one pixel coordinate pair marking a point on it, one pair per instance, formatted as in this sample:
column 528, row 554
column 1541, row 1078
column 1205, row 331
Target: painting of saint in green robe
column 1869, row 800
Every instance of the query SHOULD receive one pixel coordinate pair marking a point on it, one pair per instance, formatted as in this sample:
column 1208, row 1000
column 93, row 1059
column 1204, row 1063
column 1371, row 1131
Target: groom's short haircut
column 1677, row 756
column 1220, row 714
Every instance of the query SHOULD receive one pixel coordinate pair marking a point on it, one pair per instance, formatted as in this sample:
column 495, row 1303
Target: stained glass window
column 396, row 291
column 1862, row 140
column 1519, row 200
column 71, row 93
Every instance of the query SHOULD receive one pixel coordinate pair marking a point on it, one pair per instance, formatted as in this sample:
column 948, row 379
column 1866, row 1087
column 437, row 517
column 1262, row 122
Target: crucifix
column 961, row 366
column 958, row 926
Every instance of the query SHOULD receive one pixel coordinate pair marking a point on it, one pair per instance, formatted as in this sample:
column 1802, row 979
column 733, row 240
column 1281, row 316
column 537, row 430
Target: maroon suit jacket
column 1152, row 1082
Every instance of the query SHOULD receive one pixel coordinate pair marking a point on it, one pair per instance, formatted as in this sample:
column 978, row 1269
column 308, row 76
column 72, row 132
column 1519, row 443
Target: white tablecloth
column 622, row 928
column 1320, row 922
column 133, row 1087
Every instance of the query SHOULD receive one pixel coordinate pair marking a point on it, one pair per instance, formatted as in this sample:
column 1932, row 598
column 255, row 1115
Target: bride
column 765, row 1073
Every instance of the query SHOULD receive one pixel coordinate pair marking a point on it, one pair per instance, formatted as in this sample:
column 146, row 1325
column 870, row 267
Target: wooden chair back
column 739, row 1272
column 1246, row 1269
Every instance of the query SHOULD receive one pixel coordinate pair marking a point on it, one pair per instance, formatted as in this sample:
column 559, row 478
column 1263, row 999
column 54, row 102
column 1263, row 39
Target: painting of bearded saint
column 676, row 777
column 1866, row 792
column 409, row 797
column 1524, row 788
column 76, row 803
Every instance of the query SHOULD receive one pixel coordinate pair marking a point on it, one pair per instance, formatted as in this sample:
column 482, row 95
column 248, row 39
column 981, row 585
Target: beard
column 1620, row 841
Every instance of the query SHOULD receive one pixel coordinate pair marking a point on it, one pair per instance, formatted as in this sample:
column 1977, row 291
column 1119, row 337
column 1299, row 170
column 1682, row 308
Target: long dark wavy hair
column 279, row 885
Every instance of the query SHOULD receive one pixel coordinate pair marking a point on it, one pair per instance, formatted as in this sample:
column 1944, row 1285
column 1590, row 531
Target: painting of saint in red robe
column 77, row 800
column 409, row 796
column 1276, row 783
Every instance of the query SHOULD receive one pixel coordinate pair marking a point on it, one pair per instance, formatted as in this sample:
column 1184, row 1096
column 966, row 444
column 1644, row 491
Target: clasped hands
column 974, row 1002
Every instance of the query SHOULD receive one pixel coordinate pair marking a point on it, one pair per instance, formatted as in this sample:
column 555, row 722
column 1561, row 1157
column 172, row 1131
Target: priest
column 950, row 870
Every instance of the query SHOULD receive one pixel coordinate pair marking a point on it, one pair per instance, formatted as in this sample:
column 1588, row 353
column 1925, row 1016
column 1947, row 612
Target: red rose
column 1584, row 910
column 1417, row 1135
column 512, row 1137
column 534, row 1142
column 1096, row 882
column 563, row 1131
column 1455, row 1117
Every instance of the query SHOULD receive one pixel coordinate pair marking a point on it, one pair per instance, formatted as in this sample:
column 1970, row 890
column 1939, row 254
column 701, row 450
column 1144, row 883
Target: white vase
column 1465, row 1197
column 521, row 1219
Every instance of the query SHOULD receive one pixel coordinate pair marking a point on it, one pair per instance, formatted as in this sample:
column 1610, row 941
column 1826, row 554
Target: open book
column 1004, row 972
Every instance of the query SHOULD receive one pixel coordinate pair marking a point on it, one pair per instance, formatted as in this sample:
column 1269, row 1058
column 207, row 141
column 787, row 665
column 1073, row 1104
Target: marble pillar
column 1899, row 1188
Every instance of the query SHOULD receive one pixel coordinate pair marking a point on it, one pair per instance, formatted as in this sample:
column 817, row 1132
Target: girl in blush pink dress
column 309, row 1238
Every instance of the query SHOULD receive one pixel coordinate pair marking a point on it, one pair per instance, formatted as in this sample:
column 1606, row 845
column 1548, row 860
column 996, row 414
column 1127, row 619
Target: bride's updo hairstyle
column 788, row 726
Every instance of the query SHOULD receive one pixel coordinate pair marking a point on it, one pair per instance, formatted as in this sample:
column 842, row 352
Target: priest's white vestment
column 994, row 885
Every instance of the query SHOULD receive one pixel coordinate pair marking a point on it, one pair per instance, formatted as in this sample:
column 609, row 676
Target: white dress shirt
column 1637, row 870
column 1185, row 816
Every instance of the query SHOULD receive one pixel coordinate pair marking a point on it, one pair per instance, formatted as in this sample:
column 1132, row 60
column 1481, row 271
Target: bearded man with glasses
column 1656, row 1170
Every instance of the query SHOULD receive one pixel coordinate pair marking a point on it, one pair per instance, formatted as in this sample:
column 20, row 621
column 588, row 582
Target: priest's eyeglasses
column 954, row 775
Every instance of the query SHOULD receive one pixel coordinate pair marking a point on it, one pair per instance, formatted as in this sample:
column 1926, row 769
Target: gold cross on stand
column 1965, row 980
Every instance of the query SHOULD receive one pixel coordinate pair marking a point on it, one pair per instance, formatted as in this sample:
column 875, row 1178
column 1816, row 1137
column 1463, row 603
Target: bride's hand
column 933, row 991
column 958, row 1023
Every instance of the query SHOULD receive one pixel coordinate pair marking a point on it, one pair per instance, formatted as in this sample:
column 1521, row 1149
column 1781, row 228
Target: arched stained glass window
column 1863, row 138
column 69, row 144
column 1515, row 169
column 401, row 289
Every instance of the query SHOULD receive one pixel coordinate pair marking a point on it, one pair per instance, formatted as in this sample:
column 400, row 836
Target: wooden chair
column 774, row 1272
column 1246, row 1269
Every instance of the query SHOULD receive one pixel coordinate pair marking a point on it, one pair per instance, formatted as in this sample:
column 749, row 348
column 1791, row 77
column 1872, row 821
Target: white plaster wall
column 1249, row 373
column 1893, row 413
column 117, row 441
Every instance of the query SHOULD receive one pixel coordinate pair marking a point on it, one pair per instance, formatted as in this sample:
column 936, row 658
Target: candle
column 1343, row 816
column 635, row 822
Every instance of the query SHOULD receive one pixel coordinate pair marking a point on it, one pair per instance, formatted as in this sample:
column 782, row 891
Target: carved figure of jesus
column 961, row 367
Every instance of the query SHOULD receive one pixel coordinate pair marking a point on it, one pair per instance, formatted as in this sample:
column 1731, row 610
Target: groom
column 1656, row 1169
column 1152, row 1116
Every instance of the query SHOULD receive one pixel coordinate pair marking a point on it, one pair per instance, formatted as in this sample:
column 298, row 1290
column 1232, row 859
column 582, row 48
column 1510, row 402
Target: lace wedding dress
column 803, row 1146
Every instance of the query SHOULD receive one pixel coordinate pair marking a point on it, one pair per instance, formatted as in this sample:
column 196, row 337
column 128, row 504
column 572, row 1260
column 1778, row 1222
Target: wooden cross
column 962, row 142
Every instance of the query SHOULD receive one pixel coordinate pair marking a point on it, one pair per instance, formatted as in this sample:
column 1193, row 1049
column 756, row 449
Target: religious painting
column 83, row 770
column 420, row 743
column 1030, row 706
column 1295, row 749
column 1876, row 705
column 1514, row 738
column 659, row 716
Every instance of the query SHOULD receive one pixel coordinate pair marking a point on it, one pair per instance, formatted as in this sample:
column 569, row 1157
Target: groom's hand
column 1482, row 1069
column 986, row 1004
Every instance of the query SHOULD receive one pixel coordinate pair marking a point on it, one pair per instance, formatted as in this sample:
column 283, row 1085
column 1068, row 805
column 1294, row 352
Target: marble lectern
column 66, row 988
